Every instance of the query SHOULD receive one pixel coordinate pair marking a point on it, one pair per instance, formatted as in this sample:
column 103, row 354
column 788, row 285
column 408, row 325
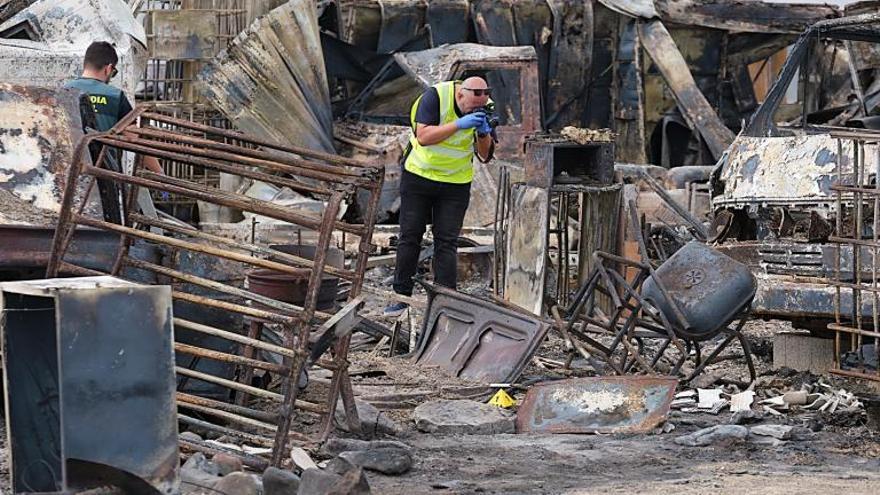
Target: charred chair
column 694, row 297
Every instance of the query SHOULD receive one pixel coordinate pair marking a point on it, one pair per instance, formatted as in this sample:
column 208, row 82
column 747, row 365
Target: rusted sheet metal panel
column 39, row 129
column 750, row 16
column 785, row 170
column 436, row 65
column 270, row 81
column 183, row 34
column 526, row 261
column 619, row 404
column 693, row 105
column 477, row 339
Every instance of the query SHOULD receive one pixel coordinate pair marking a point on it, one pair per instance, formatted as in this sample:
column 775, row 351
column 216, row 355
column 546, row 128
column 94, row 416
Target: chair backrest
column 709, row 289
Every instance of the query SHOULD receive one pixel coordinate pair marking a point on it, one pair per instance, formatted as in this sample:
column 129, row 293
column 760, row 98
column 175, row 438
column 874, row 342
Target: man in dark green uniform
column 109, row 103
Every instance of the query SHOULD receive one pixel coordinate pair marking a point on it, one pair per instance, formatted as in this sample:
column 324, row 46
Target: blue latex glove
column 471, row 120
column 484, row 128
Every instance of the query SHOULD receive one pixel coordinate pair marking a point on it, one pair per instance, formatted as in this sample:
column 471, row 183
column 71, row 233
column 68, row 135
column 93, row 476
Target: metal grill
column 856, row 324
column 327, row 177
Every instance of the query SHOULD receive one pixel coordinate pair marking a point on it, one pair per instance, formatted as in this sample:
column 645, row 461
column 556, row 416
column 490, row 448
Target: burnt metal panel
column 569, row 64
column 477, row 339
column 696, row 109
column 708, row 287
column 271, row 82
column 525, row 266
column 402, row 20
column 89, row 375
column 183, row 34
column 618, row 404
column 449, row 21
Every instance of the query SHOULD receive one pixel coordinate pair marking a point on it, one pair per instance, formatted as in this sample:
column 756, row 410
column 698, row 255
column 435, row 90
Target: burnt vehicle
column 781, row 193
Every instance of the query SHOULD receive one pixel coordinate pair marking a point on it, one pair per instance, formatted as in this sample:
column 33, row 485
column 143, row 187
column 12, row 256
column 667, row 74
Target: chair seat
column 709, row 288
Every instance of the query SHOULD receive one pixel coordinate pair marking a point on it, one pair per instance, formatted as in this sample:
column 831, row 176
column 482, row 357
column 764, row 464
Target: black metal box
column 553, row 160
column 89, row 385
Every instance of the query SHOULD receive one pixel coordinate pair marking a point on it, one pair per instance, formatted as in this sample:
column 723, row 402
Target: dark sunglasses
column 113, row 72
column 479, row 92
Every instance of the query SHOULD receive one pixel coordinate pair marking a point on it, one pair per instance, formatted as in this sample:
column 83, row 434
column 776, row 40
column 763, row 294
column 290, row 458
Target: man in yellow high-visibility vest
column 448, row 127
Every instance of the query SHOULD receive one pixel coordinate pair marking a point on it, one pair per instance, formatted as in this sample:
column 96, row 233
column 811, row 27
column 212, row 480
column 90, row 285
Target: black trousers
column 424, row 201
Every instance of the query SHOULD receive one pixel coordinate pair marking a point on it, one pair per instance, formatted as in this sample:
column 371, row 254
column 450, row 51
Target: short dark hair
column 99, row 55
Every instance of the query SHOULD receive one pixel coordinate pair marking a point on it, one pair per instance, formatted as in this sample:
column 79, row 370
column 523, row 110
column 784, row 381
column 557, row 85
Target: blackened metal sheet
column 736, row 15
column 533, row 25
column 495, row 26
column 618, row 404
column 477, row 339
column 708, row 287
column 402, row 20
column 107, row 391
column 449, row 20
column 570, row 62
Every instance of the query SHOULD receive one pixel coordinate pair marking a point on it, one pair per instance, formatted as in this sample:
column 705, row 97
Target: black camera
column 491, row 118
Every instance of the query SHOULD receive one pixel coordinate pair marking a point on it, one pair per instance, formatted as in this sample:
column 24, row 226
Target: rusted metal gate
column 332, row 179
column 856, row 324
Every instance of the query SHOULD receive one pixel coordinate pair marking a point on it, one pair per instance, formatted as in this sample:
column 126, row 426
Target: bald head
column 467, row 99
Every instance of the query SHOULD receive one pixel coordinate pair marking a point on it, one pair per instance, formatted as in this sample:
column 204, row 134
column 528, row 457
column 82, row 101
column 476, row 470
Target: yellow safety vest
column 449, row 160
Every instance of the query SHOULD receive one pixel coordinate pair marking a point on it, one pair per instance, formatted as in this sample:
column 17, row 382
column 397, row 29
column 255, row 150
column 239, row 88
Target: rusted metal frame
column 233, row 337
column 250, row 311
column 599, row 351
column 189, row 246
column 255, row 331
column 654, row 312
column 327, row 157
column 364, row 246
column 248, row 460
column 245, row 246
column 161, row 150
column 236, row 162
column 875, row 299
column 246, row 361
column 263, row 416
column 838, row 258
column 298, row 339
column 856, row 315
column 157, row 133
column 342, row 138
column 679, row 316
column 205, row 377
column 498, row 224
column 64, row 229
column 249, row 204
column 218, row 286
column 855, row 374
column 192, row 190
column 341, row 383
column 732, row 334
column 247, row 437
column 852, row 330
column 225, row 415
